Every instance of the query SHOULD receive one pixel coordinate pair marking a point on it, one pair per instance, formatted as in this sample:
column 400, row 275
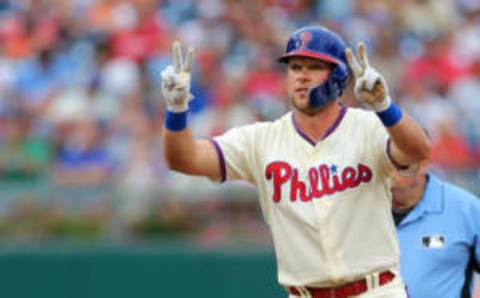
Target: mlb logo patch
column 434, row 241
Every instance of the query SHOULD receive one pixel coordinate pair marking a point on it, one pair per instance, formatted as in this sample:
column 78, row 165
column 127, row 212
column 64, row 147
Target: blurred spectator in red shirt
column 436, row 67
column 451, row 149
column 141, row 35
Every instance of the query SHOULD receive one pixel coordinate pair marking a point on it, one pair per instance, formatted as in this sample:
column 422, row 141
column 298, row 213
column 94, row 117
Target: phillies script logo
column 322, row 180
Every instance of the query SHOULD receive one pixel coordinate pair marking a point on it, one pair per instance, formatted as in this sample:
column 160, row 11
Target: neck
column 315, row 126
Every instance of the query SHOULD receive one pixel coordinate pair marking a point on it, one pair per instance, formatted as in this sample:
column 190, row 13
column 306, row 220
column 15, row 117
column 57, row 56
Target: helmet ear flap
column 323, row 94
column 331, row 88
column 339, row 77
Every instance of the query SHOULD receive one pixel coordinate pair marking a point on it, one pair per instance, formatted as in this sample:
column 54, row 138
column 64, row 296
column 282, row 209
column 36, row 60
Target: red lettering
column 313, row 175
column 280, row 172
column 298, row 186
column 365, row 174
column 325, row 177
column 348, row 177
column 337, row 185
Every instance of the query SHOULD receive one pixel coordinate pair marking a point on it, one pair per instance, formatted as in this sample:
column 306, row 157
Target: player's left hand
column 370, row 86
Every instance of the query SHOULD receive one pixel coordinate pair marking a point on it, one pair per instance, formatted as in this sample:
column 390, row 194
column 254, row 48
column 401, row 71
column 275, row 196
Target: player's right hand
column 175, row 84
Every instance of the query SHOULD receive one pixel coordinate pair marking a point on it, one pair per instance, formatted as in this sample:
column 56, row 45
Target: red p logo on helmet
column 305, row 38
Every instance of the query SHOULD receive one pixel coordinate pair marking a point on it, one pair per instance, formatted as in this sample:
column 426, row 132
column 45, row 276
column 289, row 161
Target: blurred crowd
column 81, row 115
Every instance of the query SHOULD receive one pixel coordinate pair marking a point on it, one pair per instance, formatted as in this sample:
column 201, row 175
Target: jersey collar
column 328, row 132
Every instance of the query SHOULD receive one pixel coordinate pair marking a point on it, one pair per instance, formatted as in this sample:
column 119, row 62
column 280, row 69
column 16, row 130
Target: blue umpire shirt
column 440, row 242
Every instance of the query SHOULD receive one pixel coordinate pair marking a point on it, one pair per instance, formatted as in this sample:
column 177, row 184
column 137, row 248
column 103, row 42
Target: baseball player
column 322, row 170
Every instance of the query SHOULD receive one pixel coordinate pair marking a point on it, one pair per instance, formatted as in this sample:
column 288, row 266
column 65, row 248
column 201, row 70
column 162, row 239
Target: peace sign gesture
column 181, row 66
column 370, row 86
column 175, row 84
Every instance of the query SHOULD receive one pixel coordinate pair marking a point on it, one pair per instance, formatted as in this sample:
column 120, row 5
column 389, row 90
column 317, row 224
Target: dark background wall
column 170, row 271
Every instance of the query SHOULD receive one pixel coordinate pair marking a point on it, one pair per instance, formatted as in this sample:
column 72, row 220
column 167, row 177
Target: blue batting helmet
column 320, row 43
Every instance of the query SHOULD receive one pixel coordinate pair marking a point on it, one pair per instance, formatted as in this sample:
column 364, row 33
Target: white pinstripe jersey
column 327, row 204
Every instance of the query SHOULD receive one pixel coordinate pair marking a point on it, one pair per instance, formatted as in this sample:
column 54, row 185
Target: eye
column 319, row 66
column 295, row 67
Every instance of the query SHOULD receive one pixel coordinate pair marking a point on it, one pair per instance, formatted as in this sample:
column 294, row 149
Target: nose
column 304, row 75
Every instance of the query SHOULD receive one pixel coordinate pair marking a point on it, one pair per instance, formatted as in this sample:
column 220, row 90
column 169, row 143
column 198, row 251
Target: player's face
column 304, row 74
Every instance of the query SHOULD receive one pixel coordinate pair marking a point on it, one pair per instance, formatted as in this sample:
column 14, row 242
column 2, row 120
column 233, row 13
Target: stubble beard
column 307, row 110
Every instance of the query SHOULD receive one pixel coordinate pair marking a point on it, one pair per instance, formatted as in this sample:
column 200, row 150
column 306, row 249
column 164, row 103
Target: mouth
column 302, row 91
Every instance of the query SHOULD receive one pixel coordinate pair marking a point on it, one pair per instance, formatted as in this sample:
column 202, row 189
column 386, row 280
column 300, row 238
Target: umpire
column 438, row 226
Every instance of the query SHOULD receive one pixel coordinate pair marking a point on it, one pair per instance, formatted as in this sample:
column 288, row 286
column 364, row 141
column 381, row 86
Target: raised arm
column 182, row 152
column 409, row 142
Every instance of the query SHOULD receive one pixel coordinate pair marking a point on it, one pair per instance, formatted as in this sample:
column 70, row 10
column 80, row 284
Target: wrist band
column 176, row 121
column 391, row 115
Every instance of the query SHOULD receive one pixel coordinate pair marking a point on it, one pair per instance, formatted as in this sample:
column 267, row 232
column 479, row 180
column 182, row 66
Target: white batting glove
column 370, row 86
column 175, row 86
